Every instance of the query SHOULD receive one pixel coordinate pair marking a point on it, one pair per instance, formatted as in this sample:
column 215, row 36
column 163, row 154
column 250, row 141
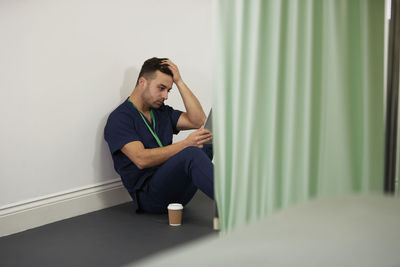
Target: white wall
column 65, row 65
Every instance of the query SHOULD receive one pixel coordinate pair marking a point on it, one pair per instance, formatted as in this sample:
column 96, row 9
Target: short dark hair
column 150, row 66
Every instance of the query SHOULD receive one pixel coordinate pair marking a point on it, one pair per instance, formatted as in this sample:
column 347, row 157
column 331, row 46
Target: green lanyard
column 148, row 126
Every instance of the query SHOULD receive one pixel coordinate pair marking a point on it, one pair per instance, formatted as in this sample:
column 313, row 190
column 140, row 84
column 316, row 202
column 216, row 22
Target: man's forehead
column 162, row 78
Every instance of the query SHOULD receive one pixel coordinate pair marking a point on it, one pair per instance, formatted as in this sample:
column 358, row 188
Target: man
column 139, row 134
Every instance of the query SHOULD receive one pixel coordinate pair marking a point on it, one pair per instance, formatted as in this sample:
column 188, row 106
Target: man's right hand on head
column 198, row 138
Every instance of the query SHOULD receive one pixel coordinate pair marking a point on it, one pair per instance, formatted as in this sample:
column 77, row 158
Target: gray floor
column 110, row 237
column 337, row 231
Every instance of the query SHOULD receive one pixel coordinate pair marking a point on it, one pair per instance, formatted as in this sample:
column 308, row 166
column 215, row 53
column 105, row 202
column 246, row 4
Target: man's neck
column 136, row 99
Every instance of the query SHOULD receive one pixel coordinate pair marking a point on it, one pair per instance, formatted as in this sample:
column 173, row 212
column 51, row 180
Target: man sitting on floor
column 139, row 134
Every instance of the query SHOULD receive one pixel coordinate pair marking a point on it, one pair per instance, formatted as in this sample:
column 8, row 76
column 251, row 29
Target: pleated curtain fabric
column 298, row 103
column 397, row 187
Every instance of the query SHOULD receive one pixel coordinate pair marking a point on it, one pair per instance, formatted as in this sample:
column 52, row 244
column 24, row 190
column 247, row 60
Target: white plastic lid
column 175, row 206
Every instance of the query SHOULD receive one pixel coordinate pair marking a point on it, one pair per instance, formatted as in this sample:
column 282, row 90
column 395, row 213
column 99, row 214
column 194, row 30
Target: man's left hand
column 174, row 69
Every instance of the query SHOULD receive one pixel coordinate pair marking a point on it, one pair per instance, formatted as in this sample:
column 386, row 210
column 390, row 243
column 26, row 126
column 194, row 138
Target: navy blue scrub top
column 125, row 125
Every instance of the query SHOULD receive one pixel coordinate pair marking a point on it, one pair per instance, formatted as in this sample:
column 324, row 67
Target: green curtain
column 298, row 103
column 398, row 158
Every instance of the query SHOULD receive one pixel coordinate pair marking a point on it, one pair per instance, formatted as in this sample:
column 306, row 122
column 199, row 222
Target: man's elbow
column 198, row 125
column 137, row 155
column 200, row 122
column 140, row 163
column 139, row 166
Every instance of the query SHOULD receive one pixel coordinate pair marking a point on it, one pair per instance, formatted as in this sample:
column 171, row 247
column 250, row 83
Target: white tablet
column 208, row 125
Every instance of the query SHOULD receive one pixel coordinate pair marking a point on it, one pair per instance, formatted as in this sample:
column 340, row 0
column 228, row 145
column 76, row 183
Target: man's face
column 156, row 89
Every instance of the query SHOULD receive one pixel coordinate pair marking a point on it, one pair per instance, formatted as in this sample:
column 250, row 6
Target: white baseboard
column 29, row 214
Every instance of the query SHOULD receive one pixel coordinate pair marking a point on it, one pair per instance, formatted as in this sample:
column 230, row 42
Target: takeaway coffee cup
column 175, row 214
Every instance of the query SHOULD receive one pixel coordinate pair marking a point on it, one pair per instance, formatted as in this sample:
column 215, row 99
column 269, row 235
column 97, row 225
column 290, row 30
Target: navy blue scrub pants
column 177, row 180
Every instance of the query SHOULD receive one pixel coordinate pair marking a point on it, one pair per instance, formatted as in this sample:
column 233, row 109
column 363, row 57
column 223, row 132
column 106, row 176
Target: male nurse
column 139, row 132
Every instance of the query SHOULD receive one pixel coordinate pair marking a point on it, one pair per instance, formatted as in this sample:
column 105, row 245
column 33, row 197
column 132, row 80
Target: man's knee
column 195, row 152
column 208, row 149
column 192, row 151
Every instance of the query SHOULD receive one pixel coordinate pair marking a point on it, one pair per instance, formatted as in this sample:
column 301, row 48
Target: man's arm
column 194, row 116
column 146, row 158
